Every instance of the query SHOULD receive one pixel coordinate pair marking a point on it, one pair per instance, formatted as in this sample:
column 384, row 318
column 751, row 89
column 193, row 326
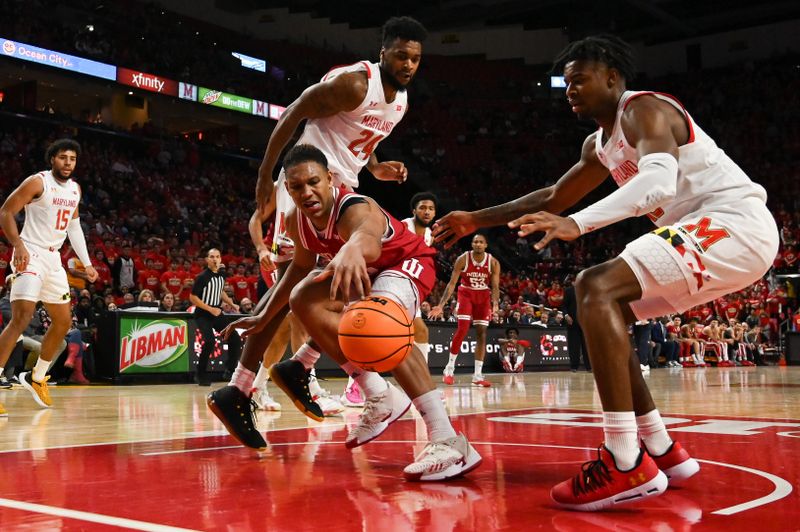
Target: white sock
column 261, row 377
column 243, row 379
column 371, row 383
column 452, row 362
column 350, row 382
column 40, row 369
column 654, row 433
column 313, row 384
column 478, row 367
column 307, row 356
column 424, row 349
column 431, row 409
column 621, row 438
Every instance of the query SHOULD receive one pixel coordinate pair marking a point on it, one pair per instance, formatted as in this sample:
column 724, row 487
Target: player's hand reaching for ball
column 91, row 274
column 450, row 228
column 390, row 171
column 552, row 225
column 348, row 269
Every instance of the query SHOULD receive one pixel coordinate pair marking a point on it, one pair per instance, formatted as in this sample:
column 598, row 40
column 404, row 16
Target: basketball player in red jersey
column 715, row 236
column 347, row 114
column 354, row 234
column 477, row 301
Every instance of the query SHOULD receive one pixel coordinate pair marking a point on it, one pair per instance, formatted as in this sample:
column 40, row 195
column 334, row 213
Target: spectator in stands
column 124, row 271
column 246, row 306
column 512, row 351
column 167, row 303
column 146, row 296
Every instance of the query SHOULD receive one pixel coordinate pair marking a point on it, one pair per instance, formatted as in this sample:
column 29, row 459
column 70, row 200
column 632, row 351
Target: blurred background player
column 50, row 200
column 478, row 299
column 347, row 114
column 512, row 351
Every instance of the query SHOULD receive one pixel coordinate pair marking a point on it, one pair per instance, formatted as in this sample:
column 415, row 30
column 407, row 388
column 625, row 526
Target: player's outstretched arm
column 326, row 98
column 361, row 227
column 302, row 263
column 582, row 178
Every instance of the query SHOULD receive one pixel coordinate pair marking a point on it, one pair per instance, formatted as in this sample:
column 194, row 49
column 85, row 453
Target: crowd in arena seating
column 482, row 138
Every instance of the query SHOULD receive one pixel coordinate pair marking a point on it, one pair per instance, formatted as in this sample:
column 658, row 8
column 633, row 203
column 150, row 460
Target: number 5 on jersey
column 62, row 219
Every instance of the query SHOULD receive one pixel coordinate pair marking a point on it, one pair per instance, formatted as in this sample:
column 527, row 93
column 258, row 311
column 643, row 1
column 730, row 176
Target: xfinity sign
column 148, row 82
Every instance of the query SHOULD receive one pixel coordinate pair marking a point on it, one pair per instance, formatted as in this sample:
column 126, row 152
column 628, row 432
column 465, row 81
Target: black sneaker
column 5, row 383
column 235, row 410
column 291, row 377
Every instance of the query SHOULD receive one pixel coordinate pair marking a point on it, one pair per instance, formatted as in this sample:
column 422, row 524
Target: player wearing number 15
column 50, row 200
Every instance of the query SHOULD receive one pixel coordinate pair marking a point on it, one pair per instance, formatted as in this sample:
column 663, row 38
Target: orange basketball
column 376, row 334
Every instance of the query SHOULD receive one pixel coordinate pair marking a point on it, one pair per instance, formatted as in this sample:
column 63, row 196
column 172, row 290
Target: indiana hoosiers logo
column 546, row 345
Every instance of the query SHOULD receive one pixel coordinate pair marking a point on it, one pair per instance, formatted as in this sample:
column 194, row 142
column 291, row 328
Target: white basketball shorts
column 702, row 257
column 44, row 279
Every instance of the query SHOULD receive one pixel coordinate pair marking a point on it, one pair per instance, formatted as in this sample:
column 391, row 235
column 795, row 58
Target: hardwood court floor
column 154, row 458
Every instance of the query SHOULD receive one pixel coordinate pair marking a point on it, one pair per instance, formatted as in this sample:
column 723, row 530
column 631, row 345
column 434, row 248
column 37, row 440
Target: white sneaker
column 645, row 369
column 264, row 400
column 330, row 405
column 379, row 412
column 443, row 460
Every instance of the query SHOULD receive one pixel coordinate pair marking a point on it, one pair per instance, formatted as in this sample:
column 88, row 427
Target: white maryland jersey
column 428, row 236
column 47, row 217
column 348, row 138
column 707, row 177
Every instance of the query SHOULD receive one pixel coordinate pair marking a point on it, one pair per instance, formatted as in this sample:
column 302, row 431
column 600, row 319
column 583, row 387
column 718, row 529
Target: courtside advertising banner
column 225, row 100
column 187, row 91
column 147, row 82
column 43, row 56
column 547, row 347
column 148, row 345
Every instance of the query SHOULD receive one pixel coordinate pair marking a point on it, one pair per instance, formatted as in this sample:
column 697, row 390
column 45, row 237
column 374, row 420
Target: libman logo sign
column 153, row 346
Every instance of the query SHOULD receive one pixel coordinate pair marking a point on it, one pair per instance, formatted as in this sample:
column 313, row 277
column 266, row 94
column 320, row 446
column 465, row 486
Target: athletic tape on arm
column 655, row 184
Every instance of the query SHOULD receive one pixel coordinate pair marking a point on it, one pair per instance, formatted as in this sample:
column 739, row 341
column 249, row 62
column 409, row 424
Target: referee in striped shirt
column 207, row 296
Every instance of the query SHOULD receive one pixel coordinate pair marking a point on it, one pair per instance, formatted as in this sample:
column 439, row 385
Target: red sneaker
column 480, row 380
column 448, row 379
column 601, row 485
column 676, row 464
column 688, row 364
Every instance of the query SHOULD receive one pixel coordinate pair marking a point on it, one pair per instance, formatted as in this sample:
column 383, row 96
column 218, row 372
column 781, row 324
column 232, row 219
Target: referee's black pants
column 206, row 324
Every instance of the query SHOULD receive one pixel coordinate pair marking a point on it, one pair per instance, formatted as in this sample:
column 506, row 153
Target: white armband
column 78, row 241
column 655, row 184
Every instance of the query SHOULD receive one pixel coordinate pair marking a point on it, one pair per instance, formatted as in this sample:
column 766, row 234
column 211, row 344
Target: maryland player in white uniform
column 423, row 209
column 50, row 200
column 715, row 236
column 347, row 114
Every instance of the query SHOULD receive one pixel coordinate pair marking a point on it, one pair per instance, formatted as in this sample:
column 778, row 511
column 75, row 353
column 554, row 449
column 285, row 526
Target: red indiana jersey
column 476, row 274
column 401, row 250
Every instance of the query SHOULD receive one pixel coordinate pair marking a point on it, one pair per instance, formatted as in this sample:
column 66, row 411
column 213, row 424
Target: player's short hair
column 422, row 196
column 59, row 146
column 604, row 48
column 304, row 153
column 508, row 331
column 405, row 28
column 486, row 238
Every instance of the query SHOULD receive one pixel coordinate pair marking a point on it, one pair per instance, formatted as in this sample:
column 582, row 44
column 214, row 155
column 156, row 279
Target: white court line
column 782, row 487
column 90, row 517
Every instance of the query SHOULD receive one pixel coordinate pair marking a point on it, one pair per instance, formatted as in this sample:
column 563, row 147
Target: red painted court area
column 309, row 481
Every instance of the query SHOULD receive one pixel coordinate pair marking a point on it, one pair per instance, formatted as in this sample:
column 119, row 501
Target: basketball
column 376, row 334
